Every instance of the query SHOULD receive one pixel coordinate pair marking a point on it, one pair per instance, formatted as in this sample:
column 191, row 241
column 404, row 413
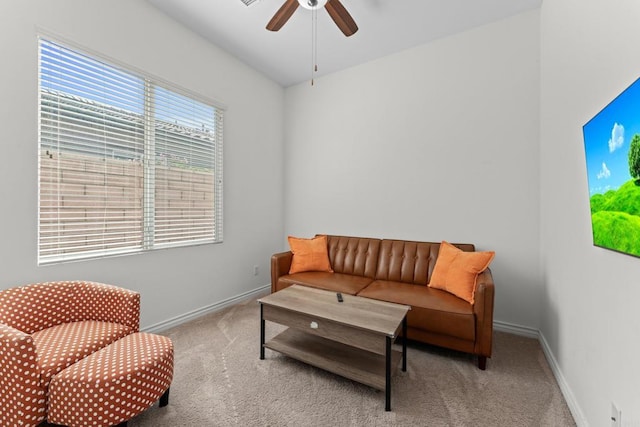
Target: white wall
column 175, row 281
column 591, row 324
column 436, row 142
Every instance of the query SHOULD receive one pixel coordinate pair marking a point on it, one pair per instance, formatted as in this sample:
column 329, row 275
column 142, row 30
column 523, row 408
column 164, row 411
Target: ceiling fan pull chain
column 315, row 40
column 315, row 36
column 312, row 47
column 314, row 44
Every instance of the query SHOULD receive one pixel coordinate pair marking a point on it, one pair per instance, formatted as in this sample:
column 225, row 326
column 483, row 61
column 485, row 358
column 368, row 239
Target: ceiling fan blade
column 282, row 15
column 341, row 17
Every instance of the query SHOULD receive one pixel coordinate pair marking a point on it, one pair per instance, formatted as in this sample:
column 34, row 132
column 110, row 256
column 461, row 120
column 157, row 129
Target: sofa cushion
column 431, row 309
column 457, row 271
column 338, row 282
column 63, row 345
column 404, row 261
column 357, row 256
column 309, row 254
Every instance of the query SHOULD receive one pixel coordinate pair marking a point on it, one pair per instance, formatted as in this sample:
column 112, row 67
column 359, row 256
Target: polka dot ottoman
column 114, row 384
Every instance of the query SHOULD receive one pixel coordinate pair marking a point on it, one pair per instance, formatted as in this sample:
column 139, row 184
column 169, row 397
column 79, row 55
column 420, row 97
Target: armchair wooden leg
column 164, row 399
column 482, row 362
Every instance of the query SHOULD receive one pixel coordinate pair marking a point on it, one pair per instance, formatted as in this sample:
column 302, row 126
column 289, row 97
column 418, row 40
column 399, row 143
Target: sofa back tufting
column 384, row 259
column 404, row 261
column 353, row 255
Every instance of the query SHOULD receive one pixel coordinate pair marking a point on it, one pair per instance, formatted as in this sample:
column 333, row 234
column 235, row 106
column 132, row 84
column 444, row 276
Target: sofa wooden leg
column 124, row 424
column 482, row 362
column 164, row 399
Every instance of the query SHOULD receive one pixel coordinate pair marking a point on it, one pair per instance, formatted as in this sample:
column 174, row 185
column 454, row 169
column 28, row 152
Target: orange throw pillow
column 309, row 254
column 456, row 271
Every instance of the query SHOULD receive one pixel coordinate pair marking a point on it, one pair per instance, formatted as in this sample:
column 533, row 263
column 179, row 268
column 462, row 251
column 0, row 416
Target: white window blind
column 126, row 163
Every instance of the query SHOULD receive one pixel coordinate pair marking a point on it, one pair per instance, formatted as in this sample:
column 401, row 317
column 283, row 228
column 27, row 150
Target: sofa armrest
column 483, row 309
column 107, row 303
column 280, row 265
column 22, row 396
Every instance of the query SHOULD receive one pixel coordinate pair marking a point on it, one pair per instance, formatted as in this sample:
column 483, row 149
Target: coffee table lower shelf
column 350, row 362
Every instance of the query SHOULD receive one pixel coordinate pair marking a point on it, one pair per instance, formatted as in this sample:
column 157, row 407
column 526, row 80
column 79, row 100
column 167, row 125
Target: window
column 126, row 163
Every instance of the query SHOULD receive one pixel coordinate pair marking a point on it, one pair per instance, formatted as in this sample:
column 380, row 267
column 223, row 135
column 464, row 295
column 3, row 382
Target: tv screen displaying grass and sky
column 612, row 149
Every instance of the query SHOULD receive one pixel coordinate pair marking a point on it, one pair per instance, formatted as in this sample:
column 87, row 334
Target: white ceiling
column 385, row 27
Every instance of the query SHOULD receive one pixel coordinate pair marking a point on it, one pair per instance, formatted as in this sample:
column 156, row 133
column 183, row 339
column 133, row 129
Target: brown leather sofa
column 398, row 271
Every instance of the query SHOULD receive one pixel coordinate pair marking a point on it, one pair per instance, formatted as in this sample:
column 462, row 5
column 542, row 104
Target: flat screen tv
column 612, row 151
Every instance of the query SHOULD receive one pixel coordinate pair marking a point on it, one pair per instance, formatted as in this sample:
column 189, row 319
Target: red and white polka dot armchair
column 47, row 327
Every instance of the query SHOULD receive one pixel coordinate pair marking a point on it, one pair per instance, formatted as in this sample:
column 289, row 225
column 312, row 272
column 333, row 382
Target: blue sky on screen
column 607, row 137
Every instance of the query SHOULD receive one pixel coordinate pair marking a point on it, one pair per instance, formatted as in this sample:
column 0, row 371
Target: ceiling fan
column 336, row 11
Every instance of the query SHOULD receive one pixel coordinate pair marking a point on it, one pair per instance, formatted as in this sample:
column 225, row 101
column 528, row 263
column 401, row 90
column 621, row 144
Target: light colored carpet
column 219, row 380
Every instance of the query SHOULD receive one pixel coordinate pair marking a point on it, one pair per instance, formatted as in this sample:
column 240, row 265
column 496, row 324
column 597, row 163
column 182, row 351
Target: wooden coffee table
column 351, row 338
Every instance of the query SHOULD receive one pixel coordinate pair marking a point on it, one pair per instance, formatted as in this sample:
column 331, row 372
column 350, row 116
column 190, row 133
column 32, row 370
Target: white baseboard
column 578, row 416
column 178, row 320
column 511, row 328
column 525, row 331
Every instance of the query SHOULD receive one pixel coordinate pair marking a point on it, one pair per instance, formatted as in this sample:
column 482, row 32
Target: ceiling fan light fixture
column 312, row 4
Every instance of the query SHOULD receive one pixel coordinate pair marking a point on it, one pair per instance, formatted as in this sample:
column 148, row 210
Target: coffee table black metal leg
column 404, row 344
column 387, row 384
column 261, row 332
